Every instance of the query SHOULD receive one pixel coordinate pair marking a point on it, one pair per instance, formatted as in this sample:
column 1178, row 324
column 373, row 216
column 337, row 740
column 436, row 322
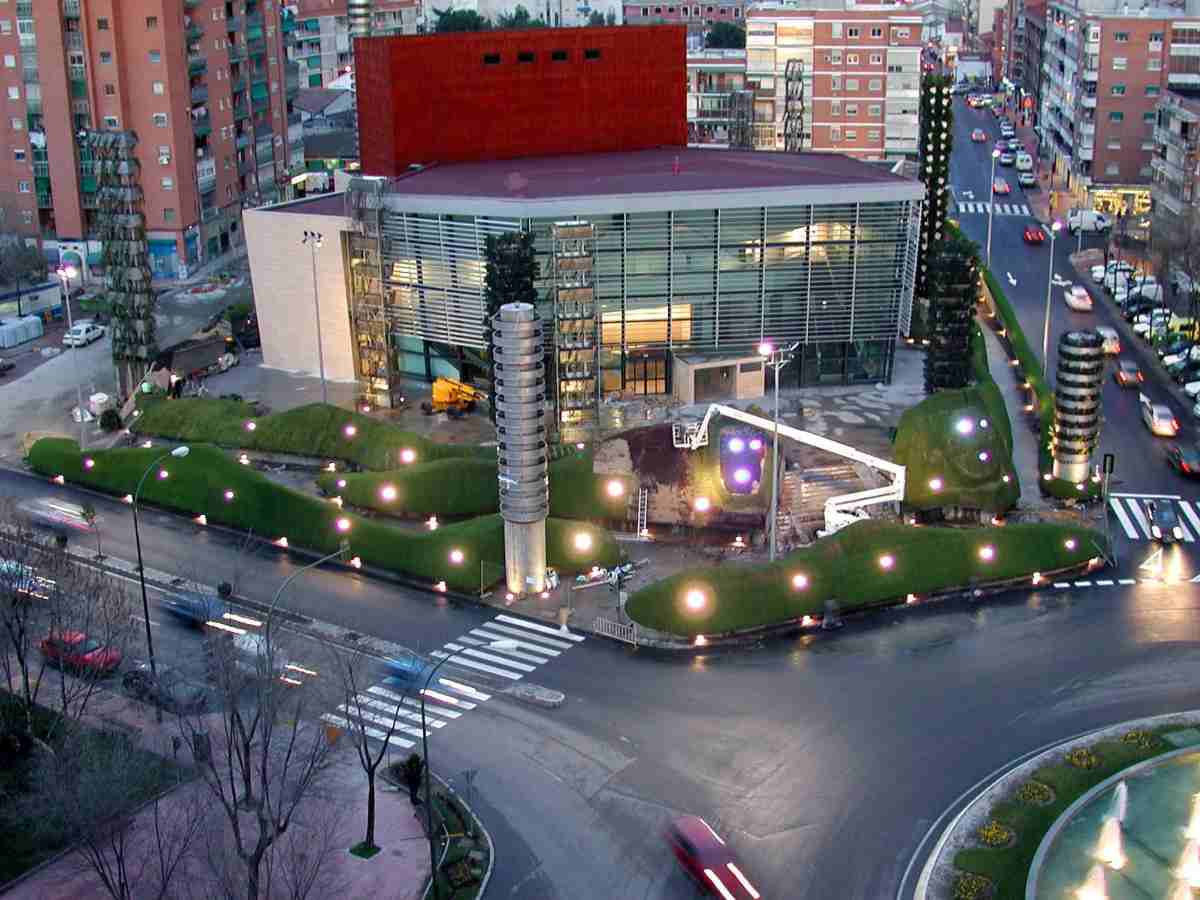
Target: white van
column 1087, row 220
column 1024, row 162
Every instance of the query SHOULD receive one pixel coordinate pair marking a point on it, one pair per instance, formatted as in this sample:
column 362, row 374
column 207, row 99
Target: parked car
column 1024, row 160
column 1115, row 267
column 1128, row 373
column 1077, row 298
column 1000, row 186
column 1172, row 345
column 1185, row 370
column 193, row 607
column 1016, row 145
column 1192, row 388
column 1006, row 128
column 1184, row 458
column 1147, row 290
column 1034, row 234
column 20, row 580
column 1006, row 158
column 1138, row 307
column 1087, row 220
column 1158, row 417
column 707, row 860
column 6, row 366
column 1027, row 179
column 80, row 335
column 1181, row 282
column 1118, row 279
column 1152, row 324
column 1112, row 340
column 75, row 650
column 172, row 690
column 978, row 135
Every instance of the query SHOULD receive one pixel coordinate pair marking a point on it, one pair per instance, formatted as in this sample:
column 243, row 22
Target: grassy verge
column 314, row 430
column 847, row 568
column 1007, row 868
column 198, row 484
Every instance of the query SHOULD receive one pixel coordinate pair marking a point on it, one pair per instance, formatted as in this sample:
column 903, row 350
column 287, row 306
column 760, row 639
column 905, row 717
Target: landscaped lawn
column 849, row 568
column 198, row 484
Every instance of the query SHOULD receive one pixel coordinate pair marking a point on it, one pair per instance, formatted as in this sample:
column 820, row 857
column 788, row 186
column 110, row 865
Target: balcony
column 260, row 104
column 1087, row 101
column 256, row 47
column 234, row 23
column 1087, row 127
column 199, row 94
column 1183, row 79
column 263, row 132
column 238, row 84
column 193, row 32
column 25, row 9
column 41, row 170
column 237, row 53
column 241, row 110
column 1090, row 75
column 1085, row 153
column 191, row 4
column 78, row 89
column 45, row 201
column 1168, row 200
column 73, row 40
column 197, row 64
column 242, row 142
column 1174, row 139
column 202, row 128
column 246, row 166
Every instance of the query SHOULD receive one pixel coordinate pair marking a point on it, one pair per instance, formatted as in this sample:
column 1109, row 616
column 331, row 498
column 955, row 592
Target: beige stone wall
column 281, row 272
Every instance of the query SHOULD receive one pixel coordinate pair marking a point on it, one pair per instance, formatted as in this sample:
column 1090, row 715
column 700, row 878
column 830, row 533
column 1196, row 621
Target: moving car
column 707, row 860
column 1006, row 129
column 1087, row 220
column 1158, row 417
column 1033, row 234
column 75, row 650
column 172, row 690
column 978, row 135
column 1164, row 521
column 1000, row 186
column 1115, row 267
column 1017, row 146
column 1184, row 458
column 1127, row 373
column 58, row 516
column 1006, row 158
column 1027, row 179
column 1077, row 298
column 6, row 366
column 1024, row 160
column 1192, row 388
column 193, row 607
column 81, row 334
column 1112, row 340
column 21, row 580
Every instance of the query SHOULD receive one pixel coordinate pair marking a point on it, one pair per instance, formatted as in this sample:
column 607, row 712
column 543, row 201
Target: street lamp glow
column 987, row 553
column 343, row 524
column 702, row 504
column 408, row 455
column 799, row 581
column 1005, row 478
column 935, row 484
column 614, row 488
column 69, row 271
column 388, row 492
column 984, row 456
column 964, row 426
column 995, row 154
column 583, row 541
column 887, row 562
column 162, row 474
column 765, row 349
column 341, row 482
column 695, row 600
column 983, row 423
column 456, row 556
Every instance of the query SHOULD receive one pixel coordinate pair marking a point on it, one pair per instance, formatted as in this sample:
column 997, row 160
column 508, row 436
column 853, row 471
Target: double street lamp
column 1055, row 228
column 65, row 274
column 991, row 204
column 313, row 240
column 776, row 359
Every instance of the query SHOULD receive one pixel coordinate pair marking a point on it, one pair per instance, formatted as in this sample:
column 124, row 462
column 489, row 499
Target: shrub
column 1035, row 793
column 1083, row 758
column 1144, row 740
column 969, row 886
column 110, row 420
column 994, row 834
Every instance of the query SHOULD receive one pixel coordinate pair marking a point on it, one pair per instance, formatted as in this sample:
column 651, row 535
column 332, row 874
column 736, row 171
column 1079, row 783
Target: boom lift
column 452, row 397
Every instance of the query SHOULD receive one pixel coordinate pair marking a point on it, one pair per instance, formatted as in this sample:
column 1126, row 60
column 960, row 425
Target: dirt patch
column 654, row 457
column 613, row 458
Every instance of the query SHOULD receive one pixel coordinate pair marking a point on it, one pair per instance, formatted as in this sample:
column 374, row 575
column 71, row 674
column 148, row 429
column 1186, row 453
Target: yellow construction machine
column 453, row 398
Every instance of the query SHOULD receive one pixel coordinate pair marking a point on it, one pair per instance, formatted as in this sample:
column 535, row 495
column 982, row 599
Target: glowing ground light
column 229, row 495
column 1005, row 479
column 702, row 504
column 408, row 455
column 128, row 498
column 432, row 523
column 799, row 582
column 341, row 482
column 964, row 426
column 987, row 553
column 201, row 519
column 244, row 459
column 88, row 463
column 350, row 431
column 694, row 600
column 887, row 561
column 1069, row 543
column 1047, row 477
column 737, row 445
column 58, row 479
column 388, row 492
column 250, row 426
column 984, row 456
column 356, row 562
column 545, row 595
column 342, row 524
column 756, row 444
column 282, row 542
column 700, row 641
column 332, row 467
column 1037, row 577
column 911, row 599
column 336, row 501
column 983, row 423
column 440, row 587
column 741, row 476
column 1081, row 486
column 163, row 473
column 935, row 484
column 148, row 444
column 583, row 541
column 580, row 445
column 456, row 556
column 614, row 488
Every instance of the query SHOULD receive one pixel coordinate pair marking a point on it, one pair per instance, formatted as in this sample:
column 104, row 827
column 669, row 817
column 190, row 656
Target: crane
column 840, row 511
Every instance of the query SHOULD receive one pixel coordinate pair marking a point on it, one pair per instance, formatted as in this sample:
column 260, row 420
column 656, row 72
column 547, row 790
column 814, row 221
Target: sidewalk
column 1025, row 441
column 203, row 272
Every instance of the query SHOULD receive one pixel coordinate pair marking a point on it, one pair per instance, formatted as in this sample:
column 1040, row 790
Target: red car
column 75, row 650
column 706, row 859
column 979, row 135
column 1034, row 235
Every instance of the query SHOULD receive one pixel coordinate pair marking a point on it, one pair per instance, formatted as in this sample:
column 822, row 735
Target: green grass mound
column 946, row 467
column 198, row 484
column 847, row 568
column 468, row 487
column 317, row 429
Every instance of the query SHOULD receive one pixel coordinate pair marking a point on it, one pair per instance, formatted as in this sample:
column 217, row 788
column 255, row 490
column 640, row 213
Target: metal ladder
column 643, row 504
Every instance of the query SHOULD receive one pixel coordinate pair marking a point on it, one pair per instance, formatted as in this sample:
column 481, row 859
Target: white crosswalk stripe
column 540, row 628
column 1133, row 515
column 1002, row 209
column 1190, row 514
column 339, row 722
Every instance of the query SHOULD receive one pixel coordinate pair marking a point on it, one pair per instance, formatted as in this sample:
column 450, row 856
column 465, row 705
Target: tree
column 725, row 36
column 936, row 145
column 596, row 18
column 512, row 269
column 21, row 265
column 610, row 18
column 414, row 770
column 519, row 19
column 953, row 287
column 460, row 20
column 89, row 516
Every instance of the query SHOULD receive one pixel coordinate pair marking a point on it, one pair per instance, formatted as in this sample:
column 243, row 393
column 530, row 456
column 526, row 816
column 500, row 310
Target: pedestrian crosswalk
column 1132, row 515
column 1002, row 209
column 527, row 645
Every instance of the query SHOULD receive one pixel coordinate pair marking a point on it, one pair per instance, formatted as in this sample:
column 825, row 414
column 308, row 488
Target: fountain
column 1193, row 829
column 1189, row 864
column 1096, row 886
column 1110, row 851
column 1120, row 802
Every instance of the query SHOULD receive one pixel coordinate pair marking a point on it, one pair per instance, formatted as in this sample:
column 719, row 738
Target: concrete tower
column 1077, row 403
column 520, row 392
column 358, row 14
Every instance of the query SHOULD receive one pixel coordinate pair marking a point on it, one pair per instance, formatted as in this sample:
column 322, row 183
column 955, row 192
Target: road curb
column 536, row 695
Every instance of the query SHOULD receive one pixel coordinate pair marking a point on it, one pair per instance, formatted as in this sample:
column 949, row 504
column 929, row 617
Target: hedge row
column 198, row 482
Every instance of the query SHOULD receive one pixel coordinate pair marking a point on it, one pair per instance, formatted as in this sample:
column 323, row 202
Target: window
column 168, row 214
column 102, row 24
column 1154, row 64
column 155, row 56
column 875, row 110
column 835, row 29
column 1149, row 118
column 1121, row 37
column 1152, row 90
column 851, row 134
column 5, row 26
column 111, row 122
column 110, row 90
column 852, row 59
column 835, row 83
column 591, row 54
column 151, row 21
column 737, row 12
column 27, row 216
column 852, row 32
column 491, row 59
column 875, row 85
column 525, row 56
column 835, row 107
column 164, row 154
column 14, row 92
column 157, row 88
column 1118, row 90
column 160, row 120
column 558, row 56
column 876, row 32
column 168, row 183
column 873, row 134
column 901, row 32
column 1119, row 63
column 1117, row 116
column 877, row 59
column 10, row 61
column 23, row 187
column 645, row 10
column 835, row 57
column 1156, row 37
column 1113, row 145
column 17, row 123
column 105, row 57
column 1112, row 169
column 852, row 84
column 19, row 155
column 852, row 109
column 835, row 134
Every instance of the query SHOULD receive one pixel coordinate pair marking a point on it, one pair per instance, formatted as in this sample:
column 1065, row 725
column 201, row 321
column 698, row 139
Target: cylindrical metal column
column 520, row 391
column 358, row 16
column 1080, row 377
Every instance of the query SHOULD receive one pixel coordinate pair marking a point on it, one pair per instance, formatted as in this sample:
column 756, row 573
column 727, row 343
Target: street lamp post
column 991, row 204
column 1054, row 230
column 314, row 240
column 776, row 359
column 502, row 644
column 178, row 453
column 65, row 274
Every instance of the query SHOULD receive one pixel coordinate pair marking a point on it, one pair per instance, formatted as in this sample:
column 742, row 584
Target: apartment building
column 719, row 105
column 322, row 49
column 1175, row 162
column 1105, row 68
column 205, row 85
column 999, row 43
column 696, row 16
column 1034, row 38
column 861, row 75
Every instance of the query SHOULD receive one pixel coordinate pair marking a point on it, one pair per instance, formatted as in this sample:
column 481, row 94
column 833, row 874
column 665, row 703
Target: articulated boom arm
column 839, row 511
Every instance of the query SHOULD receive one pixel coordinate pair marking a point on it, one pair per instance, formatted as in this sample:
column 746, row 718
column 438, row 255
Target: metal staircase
column 643, row 505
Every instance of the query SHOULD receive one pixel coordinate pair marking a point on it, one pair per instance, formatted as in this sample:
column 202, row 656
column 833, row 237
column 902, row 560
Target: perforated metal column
column 1077, row 403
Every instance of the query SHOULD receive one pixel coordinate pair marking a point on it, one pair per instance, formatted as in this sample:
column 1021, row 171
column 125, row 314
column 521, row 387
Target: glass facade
column 837, row 278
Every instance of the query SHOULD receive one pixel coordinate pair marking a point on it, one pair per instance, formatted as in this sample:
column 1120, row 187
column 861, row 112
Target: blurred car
column 1006, row 129
column 1099, row 272
column 1027, row 179
column 21, row 580
column 172, row 690
column 1128, row 373
column 1078, row 298
column 1158, row 417
column 193, row 607
column 1000, row 186
column 75, row 650
column 408, row 668
column 1015, row 144
column 1007, row 158
column 1184, row 458
column 1112, row 340
column 707, row 860
column 6, row 366
column 59, row 516
column 1033, row 234
column 978, row 135
column 1192, row 388
column 1164, row 521
column 81, row 334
